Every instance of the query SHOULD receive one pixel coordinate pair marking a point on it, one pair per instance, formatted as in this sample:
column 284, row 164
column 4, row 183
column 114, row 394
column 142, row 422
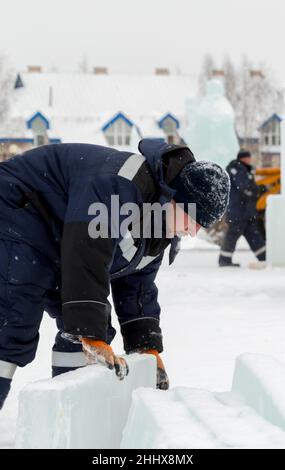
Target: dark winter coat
column 244, row 191
column 45, row 194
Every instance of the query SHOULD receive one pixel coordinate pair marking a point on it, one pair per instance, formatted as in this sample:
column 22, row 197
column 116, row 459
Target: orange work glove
column 99, row 351
column 162, row 380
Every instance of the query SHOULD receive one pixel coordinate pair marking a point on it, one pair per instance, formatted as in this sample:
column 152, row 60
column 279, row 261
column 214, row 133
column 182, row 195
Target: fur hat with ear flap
column 206, row 185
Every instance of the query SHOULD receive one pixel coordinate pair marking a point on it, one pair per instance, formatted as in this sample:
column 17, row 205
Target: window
column 119, row 133
column 271, row 133
column 276, row 140
column 169, row 126
column 39, row 129
column 110, row 139
column 267, row 161
column 39, row 140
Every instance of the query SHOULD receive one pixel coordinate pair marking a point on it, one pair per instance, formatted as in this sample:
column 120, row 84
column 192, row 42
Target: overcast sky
column 138, row 35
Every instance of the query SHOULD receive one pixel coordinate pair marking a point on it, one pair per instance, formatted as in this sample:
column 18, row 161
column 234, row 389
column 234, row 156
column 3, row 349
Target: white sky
column 137, row 35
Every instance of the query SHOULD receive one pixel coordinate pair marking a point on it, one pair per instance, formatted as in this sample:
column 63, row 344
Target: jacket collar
column 166, row 161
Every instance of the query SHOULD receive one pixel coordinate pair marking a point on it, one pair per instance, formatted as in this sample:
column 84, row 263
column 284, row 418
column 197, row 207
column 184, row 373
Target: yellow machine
column 271, row 179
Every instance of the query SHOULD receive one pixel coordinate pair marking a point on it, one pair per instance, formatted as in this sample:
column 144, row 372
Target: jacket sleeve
column 85, row 281
column 137, row 308
column 86, row 261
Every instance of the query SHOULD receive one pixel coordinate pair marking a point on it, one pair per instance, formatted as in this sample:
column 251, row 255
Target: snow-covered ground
column 209, row 316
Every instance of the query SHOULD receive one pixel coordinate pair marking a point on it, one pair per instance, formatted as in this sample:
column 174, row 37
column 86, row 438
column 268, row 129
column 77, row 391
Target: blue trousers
column 30, row 285
column 249, row 228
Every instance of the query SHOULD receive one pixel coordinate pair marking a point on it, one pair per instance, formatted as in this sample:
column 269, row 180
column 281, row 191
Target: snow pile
column 211, row 133
column 83, row 409
column 196, row 418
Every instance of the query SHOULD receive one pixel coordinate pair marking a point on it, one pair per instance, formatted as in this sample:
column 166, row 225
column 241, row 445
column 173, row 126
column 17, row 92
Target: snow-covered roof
column 79, row 105
column 81, row 95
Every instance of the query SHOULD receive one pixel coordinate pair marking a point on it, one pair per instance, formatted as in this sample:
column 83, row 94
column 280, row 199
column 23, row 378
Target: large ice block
column 260, row 381
column 275, row 231
column 86, row 408
column 252, row 415
column 275, row 217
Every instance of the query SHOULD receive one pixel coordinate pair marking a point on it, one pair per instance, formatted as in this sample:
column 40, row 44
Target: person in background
column 241, row 215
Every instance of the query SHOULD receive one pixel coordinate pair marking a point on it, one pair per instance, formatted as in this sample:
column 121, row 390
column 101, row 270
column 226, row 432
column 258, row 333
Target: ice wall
column 90, row 408
column 211, row 132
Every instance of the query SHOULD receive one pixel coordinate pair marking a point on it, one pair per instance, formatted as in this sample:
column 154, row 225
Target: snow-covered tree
column 252, row 91
column 258, row 97
column 208, row 66
column 6, row 79
column 230, row 81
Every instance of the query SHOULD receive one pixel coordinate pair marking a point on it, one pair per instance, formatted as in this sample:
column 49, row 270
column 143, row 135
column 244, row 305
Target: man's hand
column 162, row 380
column 99, row 351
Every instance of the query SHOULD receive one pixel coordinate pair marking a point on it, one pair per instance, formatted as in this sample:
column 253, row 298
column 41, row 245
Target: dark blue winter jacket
column 45, row 198
column 244, row 191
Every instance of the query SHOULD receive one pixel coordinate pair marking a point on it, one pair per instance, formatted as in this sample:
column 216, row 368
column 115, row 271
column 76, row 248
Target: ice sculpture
column 211, row 132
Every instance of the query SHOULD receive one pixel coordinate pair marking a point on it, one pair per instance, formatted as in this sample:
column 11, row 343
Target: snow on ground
column 209, row 316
